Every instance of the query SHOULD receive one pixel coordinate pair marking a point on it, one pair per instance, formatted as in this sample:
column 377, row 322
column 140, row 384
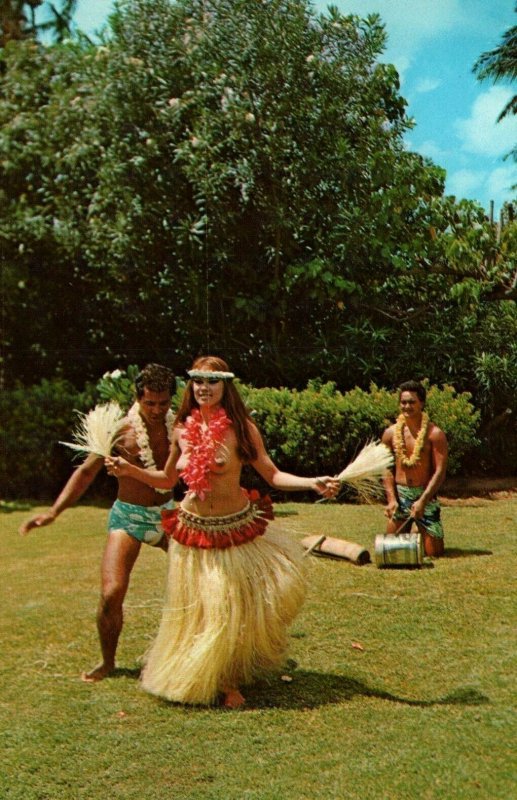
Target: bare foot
column 233, row 699
column 97, row 674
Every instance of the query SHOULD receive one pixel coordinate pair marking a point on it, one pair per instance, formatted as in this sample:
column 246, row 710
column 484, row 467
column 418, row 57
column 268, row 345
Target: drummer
column 420, row 451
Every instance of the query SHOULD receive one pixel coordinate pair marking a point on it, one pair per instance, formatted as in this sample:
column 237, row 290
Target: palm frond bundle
column 365, row 472
column 99, row 430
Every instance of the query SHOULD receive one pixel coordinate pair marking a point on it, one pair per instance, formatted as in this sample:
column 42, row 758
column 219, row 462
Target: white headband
column 207, row 373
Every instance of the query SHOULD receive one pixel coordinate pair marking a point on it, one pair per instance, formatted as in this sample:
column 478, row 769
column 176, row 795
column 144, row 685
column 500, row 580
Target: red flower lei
column 202, row 442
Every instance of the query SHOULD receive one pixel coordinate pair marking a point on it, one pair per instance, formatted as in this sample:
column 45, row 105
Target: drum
column 399, row 550
column 336, row 548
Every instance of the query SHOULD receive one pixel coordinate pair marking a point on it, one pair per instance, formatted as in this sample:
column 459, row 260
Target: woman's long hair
column 231, row 402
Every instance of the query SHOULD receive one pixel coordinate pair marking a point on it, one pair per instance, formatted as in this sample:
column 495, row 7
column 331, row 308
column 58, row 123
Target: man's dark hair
column 413, row 386
column 156, row 378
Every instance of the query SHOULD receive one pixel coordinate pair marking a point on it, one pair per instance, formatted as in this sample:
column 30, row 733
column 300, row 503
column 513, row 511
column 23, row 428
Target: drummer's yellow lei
column 400, row 447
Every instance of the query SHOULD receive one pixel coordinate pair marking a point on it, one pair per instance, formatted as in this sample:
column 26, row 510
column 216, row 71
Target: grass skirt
column 226, row 615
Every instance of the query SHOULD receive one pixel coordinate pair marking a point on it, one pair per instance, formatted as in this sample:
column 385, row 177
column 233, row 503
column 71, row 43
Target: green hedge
column 314, row 431
column 319, row 430
column 33, row 420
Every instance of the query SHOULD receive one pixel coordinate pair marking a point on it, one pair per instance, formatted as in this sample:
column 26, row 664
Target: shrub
column 37, row 418
column 319, row 430
column 455, row 415
column 303, row 429
column 315, row 431
column 496, row 377
column 118, row 386
column 33, row 421
column 367, row 414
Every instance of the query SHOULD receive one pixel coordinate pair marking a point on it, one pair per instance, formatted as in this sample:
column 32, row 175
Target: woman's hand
column 327, row 487
column 117, row 466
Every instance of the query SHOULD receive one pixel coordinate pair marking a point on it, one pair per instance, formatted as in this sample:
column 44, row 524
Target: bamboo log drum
column 337, row 548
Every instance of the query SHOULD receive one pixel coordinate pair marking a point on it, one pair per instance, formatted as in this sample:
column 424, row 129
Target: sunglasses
column 201, row 381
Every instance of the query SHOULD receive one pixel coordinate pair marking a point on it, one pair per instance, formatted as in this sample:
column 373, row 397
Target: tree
column 232, row 176
column 13, row 19
column 18, row 20
column 500, row 64
column 59, row 26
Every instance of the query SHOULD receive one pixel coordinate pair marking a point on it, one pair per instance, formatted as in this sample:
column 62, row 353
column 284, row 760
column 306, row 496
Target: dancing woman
column 235, row 580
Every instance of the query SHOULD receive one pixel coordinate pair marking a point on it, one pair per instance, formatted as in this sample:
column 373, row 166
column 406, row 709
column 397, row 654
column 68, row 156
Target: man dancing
column 420, row 451
column 136, row 514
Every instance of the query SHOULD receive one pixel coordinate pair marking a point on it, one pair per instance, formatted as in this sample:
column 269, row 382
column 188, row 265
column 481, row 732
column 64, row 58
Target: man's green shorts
column 431, row 520
column 143, row 523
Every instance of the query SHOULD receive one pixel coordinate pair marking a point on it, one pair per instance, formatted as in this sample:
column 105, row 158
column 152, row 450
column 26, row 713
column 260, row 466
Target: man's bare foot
column 233, row 699
column 97, row 674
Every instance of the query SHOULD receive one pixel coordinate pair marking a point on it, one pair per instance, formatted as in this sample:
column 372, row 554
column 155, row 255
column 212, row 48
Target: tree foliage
column 18, row 20
column 500, row 64
column 232, row 176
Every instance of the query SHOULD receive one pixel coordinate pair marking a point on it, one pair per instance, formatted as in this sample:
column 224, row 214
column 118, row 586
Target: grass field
column 426, row 710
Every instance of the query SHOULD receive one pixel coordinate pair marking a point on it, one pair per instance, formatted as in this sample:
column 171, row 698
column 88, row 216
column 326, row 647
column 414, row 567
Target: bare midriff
column 136, row 492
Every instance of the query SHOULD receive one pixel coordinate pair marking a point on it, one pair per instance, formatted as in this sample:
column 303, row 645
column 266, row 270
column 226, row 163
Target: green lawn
column 426, row 710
